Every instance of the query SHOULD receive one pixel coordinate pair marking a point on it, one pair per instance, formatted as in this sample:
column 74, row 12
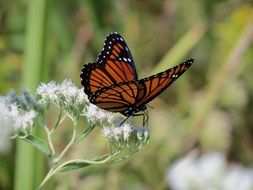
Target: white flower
column 66, row 91
column 209, row 172
column 142, row 134
column 48, row 91
column 72, row 93
column 65, row 95
column 107, row 132
column 125, row 133
column 6, row 125
column 183, row 169
column 95, row 114
column 25, row 121
column 14, row 118
column 127, row 130
column 122, row 132
column 238, row 177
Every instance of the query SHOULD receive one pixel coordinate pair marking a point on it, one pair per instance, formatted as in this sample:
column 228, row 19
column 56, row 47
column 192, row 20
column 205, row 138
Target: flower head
column 25, row 100
column 142, row 134
column 48, row 92
column 65, row 95
column 6, row 125
column 126, row 134
column 95, row 114
column 121, row 133
column 17, row 112
column 25, row 121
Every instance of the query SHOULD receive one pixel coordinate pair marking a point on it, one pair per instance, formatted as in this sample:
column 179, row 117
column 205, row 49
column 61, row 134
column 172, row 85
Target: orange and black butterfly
column 112, row 83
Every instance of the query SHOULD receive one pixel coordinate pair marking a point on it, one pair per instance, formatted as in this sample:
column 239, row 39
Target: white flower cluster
column 209, row 172
column 14, row 118
column 142, row 134
column 19, row 112
column 66, row 95
column 25, row 121
column 114, row 129
column 119, row 133
column 96, row 115
column 6, row 125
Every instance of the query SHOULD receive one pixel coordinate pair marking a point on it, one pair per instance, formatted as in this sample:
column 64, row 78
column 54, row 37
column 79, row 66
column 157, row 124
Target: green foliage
column 38, row 143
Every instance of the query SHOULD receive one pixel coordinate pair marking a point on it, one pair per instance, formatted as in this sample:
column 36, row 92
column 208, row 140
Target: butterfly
column 111, row 82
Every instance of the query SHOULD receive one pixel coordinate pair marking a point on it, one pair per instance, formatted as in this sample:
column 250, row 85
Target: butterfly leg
column 145, row 117
column 124, row 121
column 139, row 114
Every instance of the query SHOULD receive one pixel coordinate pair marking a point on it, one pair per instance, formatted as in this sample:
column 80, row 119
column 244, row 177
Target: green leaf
column 77, row 164
column 39, row 144
column 73, row 166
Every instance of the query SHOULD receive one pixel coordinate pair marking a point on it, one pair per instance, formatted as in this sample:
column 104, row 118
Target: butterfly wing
column 130, row 97
column 113, row 65
column 119, row 97
column 156, row 84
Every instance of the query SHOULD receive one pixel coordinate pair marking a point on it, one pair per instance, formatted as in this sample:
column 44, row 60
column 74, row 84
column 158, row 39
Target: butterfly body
column 112, row 83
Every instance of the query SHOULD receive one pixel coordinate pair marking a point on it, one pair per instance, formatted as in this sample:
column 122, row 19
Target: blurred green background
column 210, row 108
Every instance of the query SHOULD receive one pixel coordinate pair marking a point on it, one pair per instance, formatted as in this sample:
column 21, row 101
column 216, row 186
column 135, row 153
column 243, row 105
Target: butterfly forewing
column 156, row 84
column 119, row 58
column 114, row 65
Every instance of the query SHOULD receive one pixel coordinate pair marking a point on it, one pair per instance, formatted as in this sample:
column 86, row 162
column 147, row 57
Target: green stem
column 59, row 120
column 116, row 160
column 50, row 142
column 48, row 176
column 72, row 141
column 52, row 172
column 56, row 160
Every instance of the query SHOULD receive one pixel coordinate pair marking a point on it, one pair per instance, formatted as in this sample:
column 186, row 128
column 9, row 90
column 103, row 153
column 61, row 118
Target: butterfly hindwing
column 114, row 65
column 119, row 97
